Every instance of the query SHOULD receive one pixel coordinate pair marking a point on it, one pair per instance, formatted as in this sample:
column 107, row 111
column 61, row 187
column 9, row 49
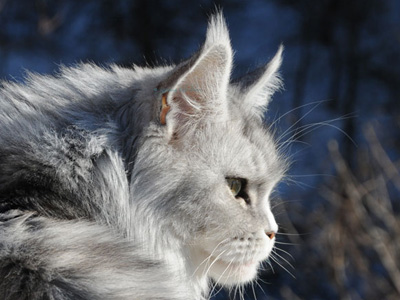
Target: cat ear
column 196, row 89
column 258, row 86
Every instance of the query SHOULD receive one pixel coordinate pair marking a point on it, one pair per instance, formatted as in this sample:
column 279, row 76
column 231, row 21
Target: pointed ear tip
column 217, row 17
column 279, row 53
column 276, row 61
column 217, row 31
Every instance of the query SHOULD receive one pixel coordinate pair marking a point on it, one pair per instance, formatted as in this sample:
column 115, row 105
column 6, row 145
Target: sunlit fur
column 99, row 200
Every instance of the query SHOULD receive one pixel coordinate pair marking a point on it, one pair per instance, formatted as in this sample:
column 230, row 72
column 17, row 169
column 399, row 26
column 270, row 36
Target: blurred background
column 338, row 117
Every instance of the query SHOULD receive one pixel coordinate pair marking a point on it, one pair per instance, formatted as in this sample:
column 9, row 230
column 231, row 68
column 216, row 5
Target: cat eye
column 238, row 188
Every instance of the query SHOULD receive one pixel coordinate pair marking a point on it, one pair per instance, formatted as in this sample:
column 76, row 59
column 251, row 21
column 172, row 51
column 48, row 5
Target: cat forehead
column 237, row 148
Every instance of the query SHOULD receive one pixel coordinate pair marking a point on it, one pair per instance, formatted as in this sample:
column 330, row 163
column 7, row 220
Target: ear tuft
column 217, row 32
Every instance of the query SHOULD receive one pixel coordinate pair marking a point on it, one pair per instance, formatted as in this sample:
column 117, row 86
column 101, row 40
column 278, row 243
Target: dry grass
column 363, row 239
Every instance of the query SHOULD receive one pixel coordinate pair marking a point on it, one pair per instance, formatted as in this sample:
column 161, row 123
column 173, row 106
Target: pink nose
column 270, row 234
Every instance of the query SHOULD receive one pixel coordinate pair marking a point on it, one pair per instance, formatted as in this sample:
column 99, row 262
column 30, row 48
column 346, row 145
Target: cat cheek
column 268, row 248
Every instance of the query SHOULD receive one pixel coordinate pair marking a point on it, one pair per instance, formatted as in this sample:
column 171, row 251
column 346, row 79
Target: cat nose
column 270, row 234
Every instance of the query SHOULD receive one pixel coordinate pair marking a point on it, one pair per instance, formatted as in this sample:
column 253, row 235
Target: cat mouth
column 235, row 265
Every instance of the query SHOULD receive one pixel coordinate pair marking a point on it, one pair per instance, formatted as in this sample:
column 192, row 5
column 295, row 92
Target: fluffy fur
column 99, row 200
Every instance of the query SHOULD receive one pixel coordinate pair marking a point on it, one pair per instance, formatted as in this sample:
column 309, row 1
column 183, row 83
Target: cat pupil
column 235, row 185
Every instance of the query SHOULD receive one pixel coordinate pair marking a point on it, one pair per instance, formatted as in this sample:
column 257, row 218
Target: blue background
column 339, row 208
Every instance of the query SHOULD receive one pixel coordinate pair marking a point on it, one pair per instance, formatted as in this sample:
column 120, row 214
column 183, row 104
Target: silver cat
column 137, row 183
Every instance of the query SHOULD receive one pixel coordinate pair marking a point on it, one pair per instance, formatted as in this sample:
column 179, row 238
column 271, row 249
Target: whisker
column 318, row 125
column 284, row 202
column 254, row 291
column 219, row 278
column 310, row 175
column 286, row 252
column 236, row 289
column 287, row 131
column 265, row 282
column 283, row 243
column 213, row 262
column 296, row 108
column 277, row 262
column 284, row 259
column 298, row 183
column 268, row 262
column 298, row 133
column 295, row 234
column 260, row 287
column 207, row 259
column 241, row 292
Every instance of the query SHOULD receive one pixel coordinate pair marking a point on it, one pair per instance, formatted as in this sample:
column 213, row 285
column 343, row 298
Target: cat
column 137, row 183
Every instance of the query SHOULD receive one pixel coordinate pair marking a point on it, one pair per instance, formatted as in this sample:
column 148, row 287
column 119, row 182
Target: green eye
column 238, row 188
column 235, row 185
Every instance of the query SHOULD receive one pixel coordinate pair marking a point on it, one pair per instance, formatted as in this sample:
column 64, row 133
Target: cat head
column 207, row 164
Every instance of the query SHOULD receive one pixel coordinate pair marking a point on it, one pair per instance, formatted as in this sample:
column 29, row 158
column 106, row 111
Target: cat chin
column 233, row 262
column 224, row 272
column 232, row 273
